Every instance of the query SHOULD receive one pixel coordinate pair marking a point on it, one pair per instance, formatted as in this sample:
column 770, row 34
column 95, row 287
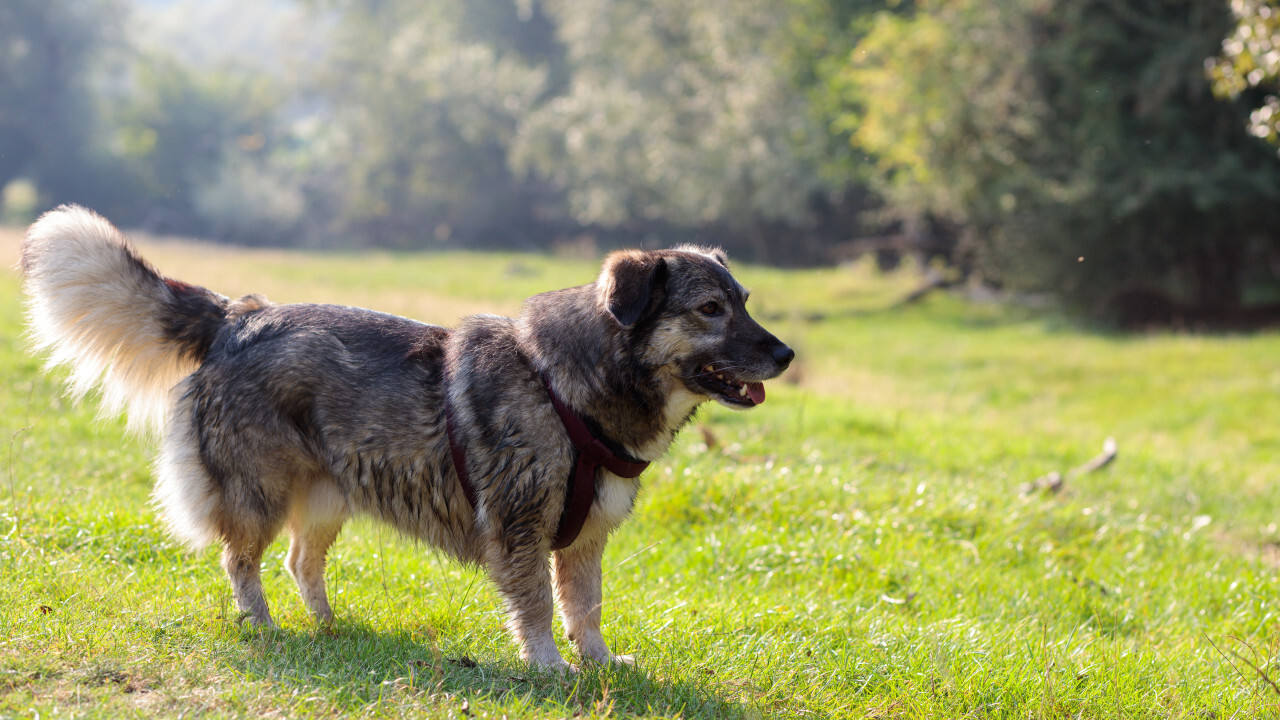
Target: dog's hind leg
column 242, row 562
column 315, row 519
column 251, row 518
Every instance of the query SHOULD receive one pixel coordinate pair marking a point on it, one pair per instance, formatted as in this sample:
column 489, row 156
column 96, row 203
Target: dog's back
column 291, row 396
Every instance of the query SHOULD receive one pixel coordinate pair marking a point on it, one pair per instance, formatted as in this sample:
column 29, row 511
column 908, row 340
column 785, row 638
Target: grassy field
column 860, row 546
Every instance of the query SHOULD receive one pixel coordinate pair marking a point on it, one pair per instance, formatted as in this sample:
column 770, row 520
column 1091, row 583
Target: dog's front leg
column 523, row 576
column 577, row 579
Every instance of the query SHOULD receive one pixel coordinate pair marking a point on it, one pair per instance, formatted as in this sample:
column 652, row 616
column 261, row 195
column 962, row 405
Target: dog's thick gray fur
column 299, row 416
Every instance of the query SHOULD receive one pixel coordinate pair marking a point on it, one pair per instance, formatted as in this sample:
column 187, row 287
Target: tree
column 1250, row 60
column 197, row 146
column 685, row 116
column 48, row 115
column 943, row 104
column 426, row 98
column 1075, row 141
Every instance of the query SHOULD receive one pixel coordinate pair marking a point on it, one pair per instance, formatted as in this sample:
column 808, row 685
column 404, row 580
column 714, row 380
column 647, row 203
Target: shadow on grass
column 355, row 663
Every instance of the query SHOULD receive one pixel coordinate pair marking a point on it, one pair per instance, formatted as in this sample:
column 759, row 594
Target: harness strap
column 581, row 493
column 582, row 482
column 459, row 457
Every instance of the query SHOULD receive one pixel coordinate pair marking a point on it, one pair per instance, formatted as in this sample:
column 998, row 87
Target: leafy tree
column 943, row 104
column 633, row 118
column 1251, row 60
column 48, row 114
column 426, row 98
column 195, row 143
column 1076, row 142
column 684, row 115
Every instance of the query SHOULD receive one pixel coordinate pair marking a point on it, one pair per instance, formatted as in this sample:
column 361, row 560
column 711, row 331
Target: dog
column 484, row 441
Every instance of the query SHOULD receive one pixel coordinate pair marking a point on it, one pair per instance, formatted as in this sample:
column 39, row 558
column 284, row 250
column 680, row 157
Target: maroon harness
column 582, row 481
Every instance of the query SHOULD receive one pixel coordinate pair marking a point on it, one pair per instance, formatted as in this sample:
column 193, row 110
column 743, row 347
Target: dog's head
column 686, row 316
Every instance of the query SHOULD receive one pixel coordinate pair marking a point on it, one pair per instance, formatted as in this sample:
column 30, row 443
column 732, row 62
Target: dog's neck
column 594, row 368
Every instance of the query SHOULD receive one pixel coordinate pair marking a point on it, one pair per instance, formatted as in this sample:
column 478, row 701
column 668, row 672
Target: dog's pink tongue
column 756, row 391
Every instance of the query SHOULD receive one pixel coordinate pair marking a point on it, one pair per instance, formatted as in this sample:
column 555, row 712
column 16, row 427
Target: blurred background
column 1117, row 156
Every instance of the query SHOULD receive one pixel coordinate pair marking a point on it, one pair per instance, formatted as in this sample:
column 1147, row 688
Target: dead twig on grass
column 1053, row 482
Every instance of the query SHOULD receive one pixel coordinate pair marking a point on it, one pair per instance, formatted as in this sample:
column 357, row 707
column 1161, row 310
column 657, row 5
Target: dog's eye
column 711, row 308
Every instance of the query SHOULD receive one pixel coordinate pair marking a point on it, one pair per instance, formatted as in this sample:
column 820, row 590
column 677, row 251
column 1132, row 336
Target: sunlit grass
column 858, row 546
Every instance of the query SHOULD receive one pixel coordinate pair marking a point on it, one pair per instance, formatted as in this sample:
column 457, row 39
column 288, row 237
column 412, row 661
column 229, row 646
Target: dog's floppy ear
column 632, row 284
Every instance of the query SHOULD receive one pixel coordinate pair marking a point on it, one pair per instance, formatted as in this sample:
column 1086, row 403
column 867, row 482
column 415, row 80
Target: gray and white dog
column 299, row 416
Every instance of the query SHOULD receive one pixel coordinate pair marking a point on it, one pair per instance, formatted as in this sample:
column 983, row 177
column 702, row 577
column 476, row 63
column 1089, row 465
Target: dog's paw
column 607, row 658
column 558, row 667
column 546, row 658
column 252, row 621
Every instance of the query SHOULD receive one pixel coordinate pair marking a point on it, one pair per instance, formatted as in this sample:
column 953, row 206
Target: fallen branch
column 1109, row 452
column 1053, row 482
column 933, row 281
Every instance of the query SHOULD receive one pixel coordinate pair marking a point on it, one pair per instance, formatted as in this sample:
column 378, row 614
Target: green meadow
column 864, row 544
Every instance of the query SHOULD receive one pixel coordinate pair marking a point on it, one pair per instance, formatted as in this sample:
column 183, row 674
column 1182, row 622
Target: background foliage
column 1075, row 143
column 1118, row 155
column 1251, row 61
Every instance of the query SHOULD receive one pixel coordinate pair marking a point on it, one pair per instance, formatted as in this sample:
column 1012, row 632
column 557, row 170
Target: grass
column 857, row 547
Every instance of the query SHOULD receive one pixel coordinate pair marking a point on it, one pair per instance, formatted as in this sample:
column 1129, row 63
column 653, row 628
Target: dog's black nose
column 783, row 355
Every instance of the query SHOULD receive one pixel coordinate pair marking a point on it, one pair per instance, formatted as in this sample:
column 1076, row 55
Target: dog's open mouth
column 729, row 390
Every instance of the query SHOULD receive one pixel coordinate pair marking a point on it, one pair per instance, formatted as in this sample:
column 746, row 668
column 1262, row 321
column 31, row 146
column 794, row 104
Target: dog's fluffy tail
column 95, row 305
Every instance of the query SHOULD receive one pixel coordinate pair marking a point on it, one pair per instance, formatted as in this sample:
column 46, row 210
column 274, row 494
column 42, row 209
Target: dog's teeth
column 708, row 369
column 742, row 390
column 720, row 376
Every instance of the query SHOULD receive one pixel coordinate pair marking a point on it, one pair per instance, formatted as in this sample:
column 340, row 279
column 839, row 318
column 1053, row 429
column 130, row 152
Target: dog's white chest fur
column 615, row 497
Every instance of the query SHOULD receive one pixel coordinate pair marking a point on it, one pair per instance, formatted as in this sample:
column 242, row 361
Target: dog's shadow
column 360, row 663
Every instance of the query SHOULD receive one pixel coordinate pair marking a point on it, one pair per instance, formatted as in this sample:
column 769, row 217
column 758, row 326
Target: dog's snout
column 783, row 355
